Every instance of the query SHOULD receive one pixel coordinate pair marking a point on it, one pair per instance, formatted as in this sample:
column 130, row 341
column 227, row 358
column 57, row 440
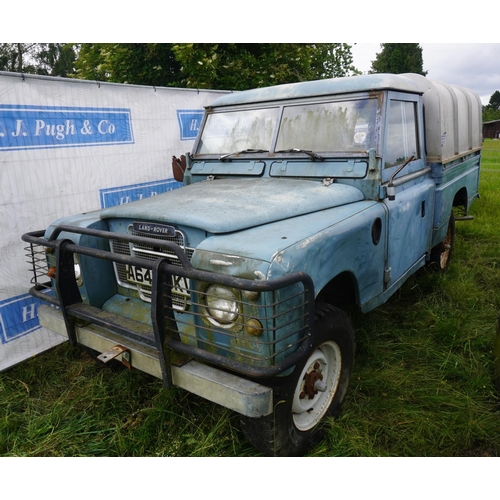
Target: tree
column 16, row 57
column 494, row 101
column 135, row 63
column 56, row 59
column 399, row 58
column 234, row 66
column 228, row 66
column 492, row 110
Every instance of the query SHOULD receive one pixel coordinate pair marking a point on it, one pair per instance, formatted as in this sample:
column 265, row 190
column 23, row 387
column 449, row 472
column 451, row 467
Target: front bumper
column 233, row 392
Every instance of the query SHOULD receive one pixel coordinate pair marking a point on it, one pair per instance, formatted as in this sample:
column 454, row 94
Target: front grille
column 140, row 279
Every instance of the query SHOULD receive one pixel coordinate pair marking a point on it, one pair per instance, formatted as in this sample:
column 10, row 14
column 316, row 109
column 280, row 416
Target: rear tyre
column 441, row 253
column 314, row 390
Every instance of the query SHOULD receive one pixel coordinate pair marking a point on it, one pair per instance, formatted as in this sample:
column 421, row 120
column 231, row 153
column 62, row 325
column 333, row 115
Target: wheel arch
column 461, row 199
column 445, row 206
column 341, row 291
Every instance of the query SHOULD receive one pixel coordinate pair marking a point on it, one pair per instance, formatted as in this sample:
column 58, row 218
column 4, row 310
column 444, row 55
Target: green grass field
column 422, row 383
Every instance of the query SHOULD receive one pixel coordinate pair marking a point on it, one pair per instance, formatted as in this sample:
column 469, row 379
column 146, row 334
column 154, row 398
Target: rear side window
column 402, row 139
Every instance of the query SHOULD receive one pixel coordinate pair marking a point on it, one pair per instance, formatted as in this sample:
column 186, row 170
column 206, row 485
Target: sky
column 475, row 66
column 473, row 63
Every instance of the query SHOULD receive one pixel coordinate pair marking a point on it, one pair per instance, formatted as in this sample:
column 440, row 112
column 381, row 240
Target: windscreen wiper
column 226, row 157
column 307, row 152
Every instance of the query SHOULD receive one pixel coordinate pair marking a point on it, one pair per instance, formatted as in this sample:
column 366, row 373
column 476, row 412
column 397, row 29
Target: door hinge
column 387, row 275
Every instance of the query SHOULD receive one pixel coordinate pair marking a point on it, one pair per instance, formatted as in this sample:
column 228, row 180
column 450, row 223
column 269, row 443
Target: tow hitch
column 113, row 353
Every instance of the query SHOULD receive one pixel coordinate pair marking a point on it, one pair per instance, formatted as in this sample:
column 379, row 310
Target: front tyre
column 317, row 386
column 314, row 390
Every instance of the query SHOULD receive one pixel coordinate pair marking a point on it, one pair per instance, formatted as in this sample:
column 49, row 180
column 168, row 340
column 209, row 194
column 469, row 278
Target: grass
column 422, row 383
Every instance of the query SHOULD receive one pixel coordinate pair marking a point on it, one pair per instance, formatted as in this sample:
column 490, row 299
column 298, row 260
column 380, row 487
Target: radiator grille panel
column 138, row 279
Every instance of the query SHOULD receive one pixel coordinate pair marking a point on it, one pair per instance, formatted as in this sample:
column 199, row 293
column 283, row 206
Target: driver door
column 410, row 213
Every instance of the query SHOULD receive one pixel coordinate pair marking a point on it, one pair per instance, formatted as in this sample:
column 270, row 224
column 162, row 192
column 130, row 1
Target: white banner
column 69, row 146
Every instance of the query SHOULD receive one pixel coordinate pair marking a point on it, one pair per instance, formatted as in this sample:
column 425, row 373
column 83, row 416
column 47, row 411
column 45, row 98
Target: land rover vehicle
column 298, row 200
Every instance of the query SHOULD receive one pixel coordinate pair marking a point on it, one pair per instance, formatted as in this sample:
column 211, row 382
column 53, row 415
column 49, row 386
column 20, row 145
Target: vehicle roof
column 328, row 86
column 453, row 124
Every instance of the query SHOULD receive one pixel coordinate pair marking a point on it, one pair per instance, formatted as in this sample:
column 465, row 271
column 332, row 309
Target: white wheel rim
column 308, row 412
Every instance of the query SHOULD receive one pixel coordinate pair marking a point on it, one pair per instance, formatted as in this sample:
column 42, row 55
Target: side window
column 402, row 140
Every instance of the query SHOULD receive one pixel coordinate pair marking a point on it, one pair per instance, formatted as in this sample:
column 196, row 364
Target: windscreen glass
column 341, row 126
column 238, row 131
column 347, row 126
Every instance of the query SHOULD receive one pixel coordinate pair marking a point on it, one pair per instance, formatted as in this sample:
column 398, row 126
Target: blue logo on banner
column 189, row 122
column 18, row 317
column 111, row 197
column 40, row 127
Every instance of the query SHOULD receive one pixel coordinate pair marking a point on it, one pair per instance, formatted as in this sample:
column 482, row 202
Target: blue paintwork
column 454, row 178
column 212, row 205
column 99, row 281
column 409, row 225
column 362, row 83
column 319, row 244
column 346, row 168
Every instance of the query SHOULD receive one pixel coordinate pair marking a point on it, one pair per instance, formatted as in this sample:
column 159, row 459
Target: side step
column 228, row 390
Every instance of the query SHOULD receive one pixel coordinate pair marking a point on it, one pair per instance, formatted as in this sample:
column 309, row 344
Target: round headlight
column 78, row 271
column 221, row 305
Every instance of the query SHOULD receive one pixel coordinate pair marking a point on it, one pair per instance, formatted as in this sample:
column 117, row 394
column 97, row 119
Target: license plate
column 143, row 276
column 139, row 275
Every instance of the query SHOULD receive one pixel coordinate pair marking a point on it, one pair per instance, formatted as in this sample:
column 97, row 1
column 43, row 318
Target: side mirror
column 179, row 167
column 391, row 187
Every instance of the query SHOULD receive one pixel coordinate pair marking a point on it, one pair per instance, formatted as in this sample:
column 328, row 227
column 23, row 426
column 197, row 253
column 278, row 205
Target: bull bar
column 164, row 333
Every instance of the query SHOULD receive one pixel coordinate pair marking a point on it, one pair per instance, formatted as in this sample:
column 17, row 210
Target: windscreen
column 341, row 126
column 238, row 130
column 347, row 126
